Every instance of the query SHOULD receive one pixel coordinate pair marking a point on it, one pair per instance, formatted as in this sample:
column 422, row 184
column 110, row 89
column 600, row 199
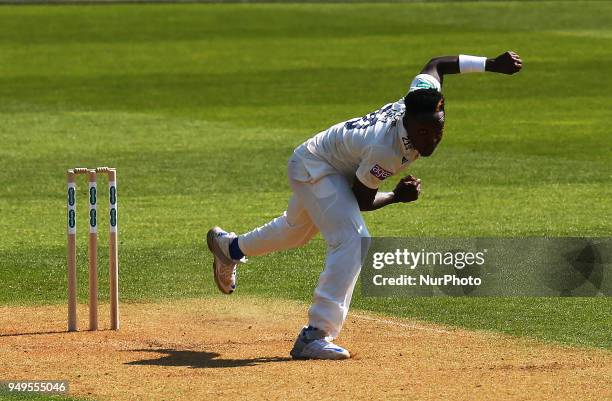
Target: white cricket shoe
column 224, row 267
column 311, row 344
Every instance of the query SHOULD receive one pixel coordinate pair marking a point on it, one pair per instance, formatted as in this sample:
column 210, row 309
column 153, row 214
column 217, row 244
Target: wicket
column 93, row 247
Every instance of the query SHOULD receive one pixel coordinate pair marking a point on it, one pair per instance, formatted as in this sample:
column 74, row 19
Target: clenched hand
column 407, row 189
column 507, row 63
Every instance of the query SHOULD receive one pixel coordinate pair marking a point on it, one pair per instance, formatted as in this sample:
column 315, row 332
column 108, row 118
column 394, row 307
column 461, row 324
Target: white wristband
column 471, row 63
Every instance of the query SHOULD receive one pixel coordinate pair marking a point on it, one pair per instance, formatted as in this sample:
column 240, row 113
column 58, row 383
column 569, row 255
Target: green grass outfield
column 199, row 107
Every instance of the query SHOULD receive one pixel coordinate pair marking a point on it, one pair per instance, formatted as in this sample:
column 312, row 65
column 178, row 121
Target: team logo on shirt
column 380, row 172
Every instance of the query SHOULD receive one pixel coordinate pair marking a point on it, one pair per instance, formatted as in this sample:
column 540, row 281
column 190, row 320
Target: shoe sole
column 308, row 358
column 210, row 241
column 296, row 356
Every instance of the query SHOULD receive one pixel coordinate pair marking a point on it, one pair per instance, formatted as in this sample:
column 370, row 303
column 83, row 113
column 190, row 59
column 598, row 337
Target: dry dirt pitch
column 237, row 348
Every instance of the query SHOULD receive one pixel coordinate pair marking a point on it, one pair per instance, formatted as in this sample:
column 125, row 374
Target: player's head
column 424, row 119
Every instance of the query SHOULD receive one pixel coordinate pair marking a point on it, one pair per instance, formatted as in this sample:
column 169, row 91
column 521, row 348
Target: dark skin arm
column 507, row 63
column 407, row 190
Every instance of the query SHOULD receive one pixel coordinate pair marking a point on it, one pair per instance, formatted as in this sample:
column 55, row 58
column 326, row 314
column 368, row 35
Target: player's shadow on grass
column 199, row 359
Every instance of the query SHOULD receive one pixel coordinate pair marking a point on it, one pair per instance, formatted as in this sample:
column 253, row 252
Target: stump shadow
column 33, row 333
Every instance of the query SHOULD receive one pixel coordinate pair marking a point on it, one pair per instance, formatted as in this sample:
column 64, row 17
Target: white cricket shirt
column 373, row 147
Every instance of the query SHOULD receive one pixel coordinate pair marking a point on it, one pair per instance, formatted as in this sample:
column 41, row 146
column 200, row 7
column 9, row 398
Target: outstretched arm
column 507, row 63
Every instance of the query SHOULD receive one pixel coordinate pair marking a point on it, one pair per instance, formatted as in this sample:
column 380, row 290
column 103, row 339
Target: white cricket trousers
column 329, row 206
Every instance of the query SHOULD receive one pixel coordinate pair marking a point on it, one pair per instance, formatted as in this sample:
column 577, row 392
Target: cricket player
column 335, row 176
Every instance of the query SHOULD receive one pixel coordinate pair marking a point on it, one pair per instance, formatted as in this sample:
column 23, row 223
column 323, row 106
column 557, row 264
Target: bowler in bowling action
column 335, row 176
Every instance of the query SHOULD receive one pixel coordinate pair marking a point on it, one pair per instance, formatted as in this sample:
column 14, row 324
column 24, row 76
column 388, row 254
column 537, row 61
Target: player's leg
column 293, row 229
column 334, row 210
